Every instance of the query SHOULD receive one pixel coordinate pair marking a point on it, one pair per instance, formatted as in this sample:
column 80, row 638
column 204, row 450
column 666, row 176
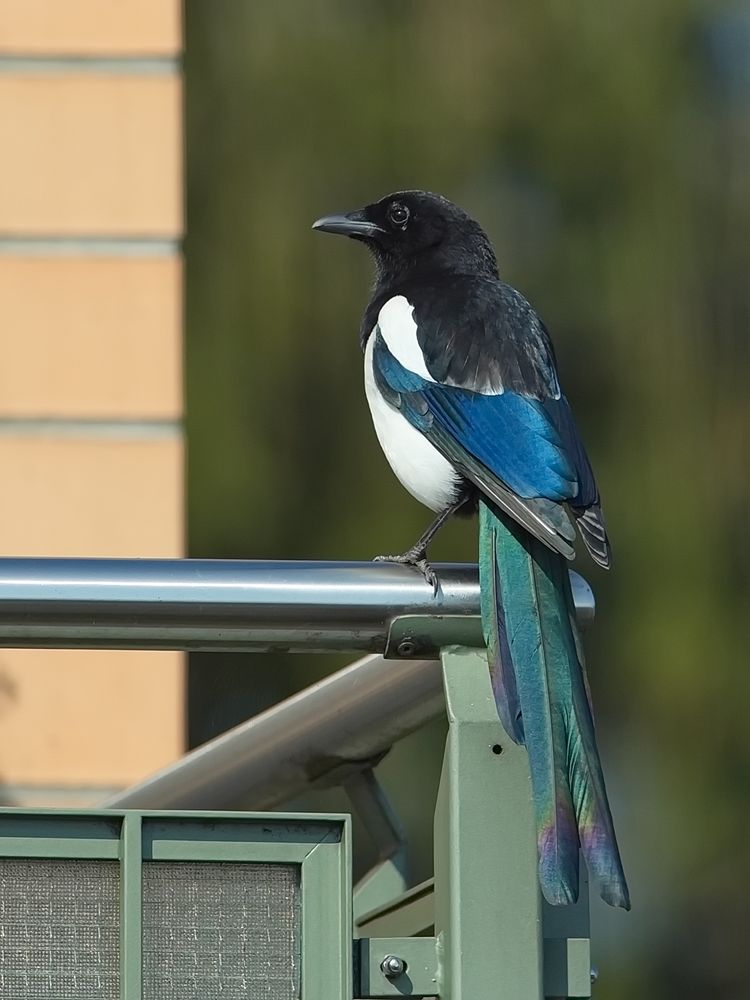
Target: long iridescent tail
column 540, row 687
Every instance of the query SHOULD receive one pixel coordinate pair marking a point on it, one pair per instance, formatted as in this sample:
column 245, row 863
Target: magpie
column 462, row 384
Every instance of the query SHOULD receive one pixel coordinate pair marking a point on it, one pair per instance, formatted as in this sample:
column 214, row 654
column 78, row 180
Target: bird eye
column 398, row 214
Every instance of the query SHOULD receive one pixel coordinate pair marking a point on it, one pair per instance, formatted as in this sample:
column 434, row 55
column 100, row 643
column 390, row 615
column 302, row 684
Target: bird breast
column 418, row 465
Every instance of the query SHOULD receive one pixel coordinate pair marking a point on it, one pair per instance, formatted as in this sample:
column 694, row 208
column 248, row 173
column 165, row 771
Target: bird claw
column 419, row 562
column 429, row 574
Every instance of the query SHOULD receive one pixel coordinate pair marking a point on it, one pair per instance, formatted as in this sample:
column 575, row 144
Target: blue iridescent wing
column 511, row 446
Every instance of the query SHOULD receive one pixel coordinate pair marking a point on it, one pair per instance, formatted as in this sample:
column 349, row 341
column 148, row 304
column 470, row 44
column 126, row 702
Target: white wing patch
column 420, row 467
column 399, row 331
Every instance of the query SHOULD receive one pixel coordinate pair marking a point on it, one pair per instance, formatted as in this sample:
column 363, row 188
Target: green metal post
column 488, row 912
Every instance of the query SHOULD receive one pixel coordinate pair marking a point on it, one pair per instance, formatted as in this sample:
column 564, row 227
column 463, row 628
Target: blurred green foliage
column 606, row 148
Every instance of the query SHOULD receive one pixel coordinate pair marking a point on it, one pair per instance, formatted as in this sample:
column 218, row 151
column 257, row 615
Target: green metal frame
column 494, row 936
column 479, row 931
column 320, row 845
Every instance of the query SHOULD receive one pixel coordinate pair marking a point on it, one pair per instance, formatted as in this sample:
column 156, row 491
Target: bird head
column 416, row 230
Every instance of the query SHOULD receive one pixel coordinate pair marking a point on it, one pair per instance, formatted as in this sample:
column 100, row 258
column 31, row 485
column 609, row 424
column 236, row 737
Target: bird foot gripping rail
column 175, row 865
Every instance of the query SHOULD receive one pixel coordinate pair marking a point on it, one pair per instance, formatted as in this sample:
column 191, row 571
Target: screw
column 392, row 966
column 594, row 973
column 407, row 647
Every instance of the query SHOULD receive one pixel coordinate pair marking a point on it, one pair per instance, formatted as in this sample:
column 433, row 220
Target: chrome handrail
column 196, row 604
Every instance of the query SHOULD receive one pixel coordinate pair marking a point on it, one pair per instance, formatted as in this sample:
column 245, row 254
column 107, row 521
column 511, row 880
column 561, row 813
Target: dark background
column 606, row 149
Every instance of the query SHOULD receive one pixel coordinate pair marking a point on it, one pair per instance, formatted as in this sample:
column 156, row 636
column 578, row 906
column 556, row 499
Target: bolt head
column 392, row 966
column 594, row 973
column 407, row 647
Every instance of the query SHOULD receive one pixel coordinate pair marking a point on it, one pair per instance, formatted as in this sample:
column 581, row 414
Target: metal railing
column 206, row 604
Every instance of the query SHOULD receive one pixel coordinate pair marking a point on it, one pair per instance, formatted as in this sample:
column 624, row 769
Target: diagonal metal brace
column 389, row 878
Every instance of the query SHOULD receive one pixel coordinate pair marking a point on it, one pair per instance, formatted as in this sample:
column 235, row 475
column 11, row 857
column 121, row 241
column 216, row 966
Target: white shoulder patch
column 399, row 331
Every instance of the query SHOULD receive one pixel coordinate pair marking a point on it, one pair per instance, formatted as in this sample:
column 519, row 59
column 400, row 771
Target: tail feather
column 541, row 692
column 498, row 653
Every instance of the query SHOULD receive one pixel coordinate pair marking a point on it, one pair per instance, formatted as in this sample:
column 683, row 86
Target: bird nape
column 462, row 384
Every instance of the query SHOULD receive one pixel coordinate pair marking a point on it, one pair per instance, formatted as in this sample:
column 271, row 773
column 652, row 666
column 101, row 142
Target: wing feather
column 439, row 412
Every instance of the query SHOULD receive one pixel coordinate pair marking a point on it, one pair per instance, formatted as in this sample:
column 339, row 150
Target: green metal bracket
column 423, row 636
column 414, row 970
column 567, row 950
column 566, row 967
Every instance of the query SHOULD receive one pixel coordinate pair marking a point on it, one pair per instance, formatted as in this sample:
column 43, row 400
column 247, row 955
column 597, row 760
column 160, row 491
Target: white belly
column 421, row 469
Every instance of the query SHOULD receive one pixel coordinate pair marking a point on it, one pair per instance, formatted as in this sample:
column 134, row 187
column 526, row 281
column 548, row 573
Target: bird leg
column 416, row 556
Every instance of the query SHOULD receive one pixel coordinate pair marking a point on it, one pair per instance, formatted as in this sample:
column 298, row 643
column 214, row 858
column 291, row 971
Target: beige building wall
column 91, row 446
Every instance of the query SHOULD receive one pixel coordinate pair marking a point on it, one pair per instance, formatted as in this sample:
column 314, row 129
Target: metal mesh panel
column 59, row 930
column 221, row 931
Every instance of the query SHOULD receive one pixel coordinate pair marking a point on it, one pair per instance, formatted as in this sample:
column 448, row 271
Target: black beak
column 352, row 224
